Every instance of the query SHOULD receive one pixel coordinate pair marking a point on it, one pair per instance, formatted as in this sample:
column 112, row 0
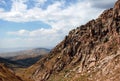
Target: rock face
column 90, row 52
column 7, row 75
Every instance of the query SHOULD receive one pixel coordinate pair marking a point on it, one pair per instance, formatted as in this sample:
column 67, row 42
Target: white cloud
column 42, row 37
column 20, row 33
column 60, row 20
column 102, row 3
column 19, row 12
column 40, row 2
column 19, row 6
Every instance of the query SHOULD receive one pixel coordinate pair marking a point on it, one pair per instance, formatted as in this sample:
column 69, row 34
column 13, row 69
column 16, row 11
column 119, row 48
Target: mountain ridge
column 28, row 57
column 8, row 75
column 88, row 53
column 25, row 51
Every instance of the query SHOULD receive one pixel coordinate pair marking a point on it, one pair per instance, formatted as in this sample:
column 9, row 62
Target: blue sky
column 44, row 23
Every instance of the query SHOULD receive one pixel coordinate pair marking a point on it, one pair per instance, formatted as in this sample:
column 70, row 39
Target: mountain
column 25, row 51
column 28, row 57
column 7, row 75
column 10, row 64
column 90, row 52
column 10, row 67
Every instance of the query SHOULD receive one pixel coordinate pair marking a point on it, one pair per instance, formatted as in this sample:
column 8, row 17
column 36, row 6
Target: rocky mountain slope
column 90, row 52
column 7, row 75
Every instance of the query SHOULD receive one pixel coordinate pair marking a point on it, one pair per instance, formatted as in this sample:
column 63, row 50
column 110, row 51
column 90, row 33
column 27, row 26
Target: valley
column 90, row 52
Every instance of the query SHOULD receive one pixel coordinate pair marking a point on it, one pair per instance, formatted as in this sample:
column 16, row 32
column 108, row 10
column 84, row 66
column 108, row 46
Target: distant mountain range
column 28, row 57
column 11, row 64
column 23, row 58
column 7, row 52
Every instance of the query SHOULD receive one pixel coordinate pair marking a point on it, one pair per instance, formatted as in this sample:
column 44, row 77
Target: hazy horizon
column 9, row 50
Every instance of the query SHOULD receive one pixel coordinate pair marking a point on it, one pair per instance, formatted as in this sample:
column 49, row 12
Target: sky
column 44, row 23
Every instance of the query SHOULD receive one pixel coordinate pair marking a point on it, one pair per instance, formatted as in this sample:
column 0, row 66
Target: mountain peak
column 117, row 8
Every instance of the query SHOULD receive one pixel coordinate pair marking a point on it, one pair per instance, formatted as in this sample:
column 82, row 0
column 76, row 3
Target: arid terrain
column 90, row 52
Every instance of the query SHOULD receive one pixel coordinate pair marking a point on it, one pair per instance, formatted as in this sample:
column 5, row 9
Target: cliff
column 90, row 52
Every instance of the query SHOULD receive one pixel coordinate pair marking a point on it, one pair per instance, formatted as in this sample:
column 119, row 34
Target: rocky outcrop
column 7, row 75
column 90, row 52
